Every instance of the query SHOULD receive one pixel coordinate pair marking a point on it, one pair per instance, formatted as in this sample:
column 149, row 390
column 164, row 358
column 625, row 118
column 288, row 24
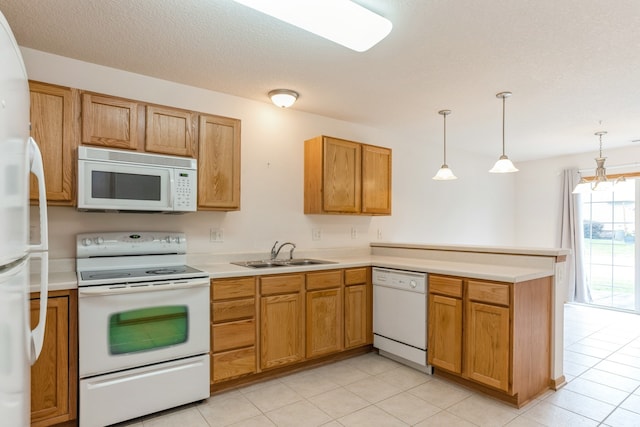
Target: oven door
column 124, row 327
column 114, row 186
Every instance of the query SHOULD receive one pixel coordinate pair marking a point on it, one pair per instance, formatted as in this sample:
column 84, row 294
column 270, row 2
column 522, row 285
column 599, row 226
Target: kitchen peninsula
column 469, row 264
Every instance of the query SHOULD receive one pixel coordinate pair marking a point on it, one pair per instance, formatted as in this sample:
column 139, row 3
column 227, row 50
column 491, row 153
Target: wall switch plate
column 216, row 235
column 354, row 233
column 316, row 234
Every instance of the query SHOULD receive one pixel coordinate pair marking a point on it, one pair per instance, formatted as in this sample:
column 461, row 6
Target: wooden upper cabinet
column 218, row 163
column 170, row 131
column 54, row 126
column 345, row 177
column 111, row 122
column 376, row 180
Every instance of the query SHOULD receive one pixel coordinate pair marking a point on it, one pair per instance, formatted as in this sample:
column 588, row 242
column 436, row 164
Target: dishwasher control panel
column 400, row 279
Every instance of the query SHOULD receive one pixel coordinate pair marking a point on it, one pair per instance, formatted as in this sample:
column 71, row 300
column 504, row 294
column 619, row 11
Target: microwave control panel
column 186, row 184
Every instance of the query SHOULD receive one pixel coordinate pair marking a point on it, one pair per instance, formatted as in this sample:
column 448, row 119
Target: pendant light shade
column 503, row 165
column 444, row 173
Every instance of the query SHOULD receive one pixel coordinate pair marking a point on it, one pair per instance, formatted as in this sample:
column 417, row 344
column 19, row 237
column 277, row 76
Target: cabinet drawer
column 281, row 284
column 233, row 288
column 233, row 310
column 355, row 276
column 324, row 280
column 450, row 286
column 234, row 363
column 226, row 336
column 492, row 293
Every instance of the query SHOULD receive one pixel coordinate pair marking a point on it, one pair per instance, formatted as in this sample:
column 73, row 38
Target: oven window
column 148, row 329
column 125, row 186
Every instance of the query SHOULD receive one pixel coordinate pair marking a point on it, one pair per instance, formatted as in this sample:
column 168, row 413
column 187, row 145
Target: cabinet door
column 281, row 330
column 324, row 322
column 219, row 163
column 170, row 131
column 54, row 127
column 110, row 122
column 50, row 400
column 376, row 180
column 355, row 316
column 341, row 176
column 487, row 344
column 445, row 333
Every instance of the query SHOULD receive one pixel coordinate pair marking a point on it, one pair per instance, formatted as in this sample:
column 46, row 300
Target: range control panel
column 90, row 245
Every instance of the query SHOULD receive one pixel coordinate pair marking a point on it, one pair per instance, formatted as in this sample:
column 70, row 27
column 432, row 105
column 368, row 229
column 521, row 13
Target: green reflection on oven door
column 147, row 329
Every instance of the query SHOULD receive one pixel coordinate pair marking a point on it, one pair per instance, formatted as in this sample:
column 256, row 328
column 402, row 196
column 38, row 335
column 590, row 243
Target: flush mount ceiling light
column 503, row 165
column 340, row 21
column 283, row 98
column 444, row 173
column 599, row 182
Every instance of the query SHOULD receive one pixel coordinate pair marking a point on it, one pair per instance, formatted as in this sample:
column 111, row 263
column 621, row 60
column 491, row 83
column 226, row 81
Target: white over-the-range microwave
column 117, row 180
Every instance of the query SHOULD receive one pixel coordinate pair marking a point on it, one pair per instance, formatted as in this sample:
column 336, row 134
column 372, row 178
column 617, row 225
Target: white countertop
column 60, row 280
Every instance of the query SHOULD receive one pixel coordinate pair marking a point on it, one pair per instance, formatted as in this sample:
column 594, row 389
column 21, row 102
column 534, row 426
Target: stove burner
column 166, row 270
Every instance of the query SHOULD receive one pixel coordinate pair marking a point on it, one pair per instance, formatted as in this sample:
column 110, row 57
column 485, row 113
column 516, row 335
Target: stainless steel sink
column 295, row 262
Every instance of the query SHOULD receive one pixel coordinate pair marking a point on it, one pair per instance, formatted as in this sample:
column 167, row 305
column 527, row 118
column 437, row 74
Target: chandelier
column 599, row 182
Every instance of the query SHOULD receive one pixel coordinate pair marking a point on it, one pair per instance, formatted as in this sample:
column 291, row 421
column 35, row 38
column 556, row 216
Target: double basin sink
column 294, row 262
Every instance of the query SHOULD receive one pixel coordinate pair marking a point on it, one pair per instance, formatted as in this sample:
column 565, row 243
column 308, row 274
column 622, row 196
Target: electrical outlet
column 316, row 234
column 216, row 235
column 379, row 234
column 354, row 233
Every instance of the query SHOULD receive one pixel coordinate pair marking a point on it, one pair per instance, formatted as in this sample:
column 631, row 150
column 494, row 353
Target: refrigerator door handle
column 35, row 162
column 36, row 338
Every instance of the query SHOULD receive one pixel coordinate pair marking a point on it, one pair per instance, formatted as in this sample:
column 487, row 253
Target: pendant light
column 444, row 173
column 503, row 165
column 600, row 182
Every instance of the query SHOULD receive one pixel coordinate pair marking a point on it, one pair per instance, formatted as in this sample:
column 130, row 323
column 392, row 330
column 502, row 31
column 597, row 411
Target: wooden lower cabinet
column 54, row 380
column 358, row 330
column 324, row 315
column 281, row 320
column 233, row 328
column 494, row 335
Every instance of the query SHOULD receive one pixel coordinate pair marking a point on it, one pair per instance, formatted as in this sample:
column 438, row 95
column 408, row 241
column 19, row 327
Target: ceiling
column 572, row 65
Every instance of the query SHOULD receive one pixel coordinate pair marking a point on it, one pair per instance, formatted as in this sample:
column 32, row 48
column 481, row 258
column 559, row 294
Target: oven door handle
column 115, row 289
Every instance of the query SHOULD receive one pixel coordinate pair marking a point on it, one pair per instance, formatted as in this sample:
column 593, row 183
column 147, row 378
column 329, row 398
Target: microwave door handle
column 173, row 189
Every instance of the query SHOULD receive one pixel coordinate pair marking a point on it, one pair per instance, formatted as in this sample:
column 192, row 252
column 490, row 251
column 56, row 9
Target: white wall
column 479, row 208
column 539, row 192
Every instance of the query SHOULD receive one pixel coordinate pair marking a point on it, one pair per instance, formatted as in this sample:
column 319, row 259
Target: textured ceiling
column 570, row 64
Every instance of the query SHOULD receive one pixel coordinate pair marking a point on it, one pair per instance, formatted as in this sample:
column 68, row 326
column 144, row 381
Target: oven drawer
column 233, row 310
column 111, row 398
column 231, row 335
column 234, row 363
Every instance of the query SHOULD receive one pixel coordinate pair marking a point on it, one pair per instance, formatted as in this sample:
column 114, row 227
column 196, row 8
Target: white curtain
column 572, row 237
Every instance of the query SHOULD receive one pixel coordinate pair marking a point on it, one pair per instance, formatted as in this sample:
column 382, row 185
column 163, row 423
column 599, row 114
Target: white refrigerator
column 19, row 155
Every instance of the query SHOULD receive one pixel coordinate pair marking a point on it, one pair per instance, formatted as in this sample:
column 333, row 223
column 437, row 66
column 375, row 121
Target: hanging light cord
column 504, row 99
column 445, row 138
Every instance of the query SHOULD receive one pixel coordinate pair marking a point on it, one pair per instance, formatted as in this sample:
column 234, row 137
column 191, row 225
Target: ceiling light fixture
column 503, row 165
column 283, row 98
column 340, row 21
column 600, row 182
column 444, row 173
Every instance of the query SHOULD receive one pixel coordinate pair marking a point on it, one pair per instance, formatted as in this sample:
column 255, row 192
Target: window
column 147, row 329
column 610, row 256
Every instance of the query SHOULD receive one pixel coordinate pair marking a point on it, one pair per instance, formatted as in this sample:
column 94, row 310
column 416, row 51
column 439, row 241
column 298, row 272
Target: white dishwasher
column 400, row 316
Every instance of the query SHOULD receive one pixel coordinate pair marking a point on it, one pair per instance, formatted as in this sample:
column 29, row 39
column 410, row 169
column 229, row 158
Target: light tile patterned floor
column 602, row 367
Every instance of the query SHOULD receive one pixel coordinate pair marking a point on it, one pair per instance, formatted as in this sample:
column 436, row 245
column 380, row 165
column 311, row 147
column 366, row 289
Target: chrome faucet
column 275, row 252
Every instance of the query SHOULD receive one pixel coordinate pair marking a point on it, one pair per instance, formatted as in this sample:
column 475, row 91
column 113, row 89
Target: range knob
column 99, row 240
column 167, row 239
column 179, row 239
column 86, row 241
